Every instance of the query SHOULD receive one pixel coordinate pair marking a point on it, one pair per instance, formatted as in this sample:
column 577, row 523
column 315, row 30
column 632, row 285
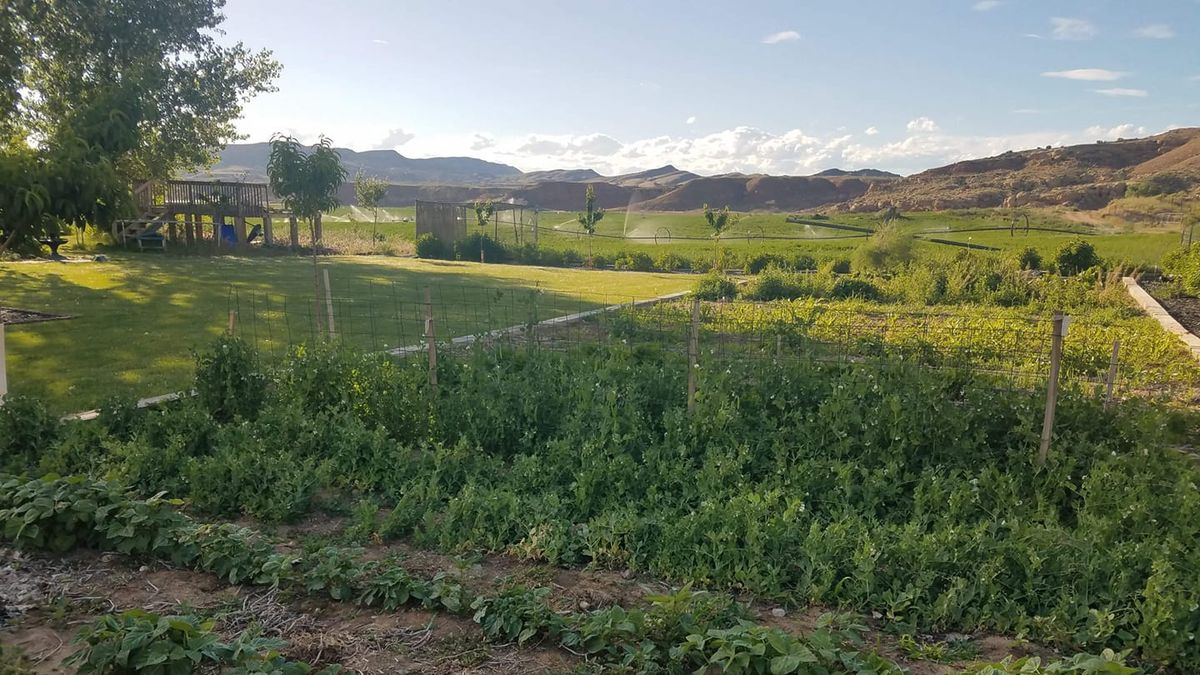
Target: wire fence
column 1112, row 359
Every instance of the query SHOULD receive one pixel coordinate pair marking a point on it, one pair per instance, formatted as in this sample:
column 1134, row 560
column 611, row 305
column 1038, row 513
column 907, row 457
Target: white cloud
column 1155, row 31
column 781, row 36
column 1121, row 91
column 1026, row 111
column 871, row 131
column 740, row 149
column 1099, row 133
column 380, row 42
column 690, row 120
column 394, row 138
column 1063, row 28
column 1031, row 36
column 986, row 5
column 1086, row 74
column 922, row 124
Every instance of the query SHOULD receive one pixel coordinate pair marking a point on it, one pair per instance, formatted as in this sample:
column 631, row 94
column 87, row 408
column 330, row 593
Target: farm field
column 1141, row 244
column 137, row 317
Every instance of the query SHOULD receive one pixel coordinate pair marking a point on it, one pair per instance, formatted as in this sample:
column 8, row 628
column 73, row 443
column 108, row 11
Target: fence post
column 329, row 304
column 232, row 321
column 430, row 340
column 1056, row 342
column 693, row 354
column 1112, row 375
column 3, row 367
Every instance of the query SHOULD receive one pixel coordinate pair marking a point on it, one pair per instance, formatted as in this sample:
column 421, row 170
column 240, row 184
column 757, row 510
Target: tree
column 308, row 183
column 158, row 59
column 368, row 192
column 719, row 220
column 590, row 216
column 484, row 209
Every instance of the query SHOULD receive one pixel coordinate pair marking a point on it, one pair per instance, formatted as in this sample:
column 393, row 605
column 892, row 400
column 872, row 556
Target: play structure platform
column 187, row 210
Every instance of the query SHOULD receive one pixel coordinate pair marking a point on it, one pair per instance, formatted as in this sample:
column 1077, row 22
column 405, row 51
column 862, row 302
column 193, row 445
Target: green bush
column 1183, row 266
column 888, row 249
column 1075, row 257
column 672, row 262
column 477, row 247
column 754, row 263
column 230, row 381
column 715, row 286
column 636, row 261
column 1159, row 184
column 846, row 288
column 1028, row 258
column 27, row 429
column 774, row 284
column 429, row 246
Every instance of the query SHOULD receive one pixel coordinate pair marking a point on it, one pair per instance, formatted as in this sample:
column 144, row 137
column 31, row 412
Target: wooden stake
column 3, row 367
column 430, row 339
column 1056, row 342
column 293, row 231
column 329, row 303
column 693, row 354
column 1111, row 380
column 232, row 321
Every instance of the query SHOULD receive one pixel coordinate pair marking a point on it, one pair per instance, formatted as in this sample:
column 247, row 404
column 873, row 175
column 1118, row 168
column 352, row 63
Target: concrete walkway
column 1151, row 307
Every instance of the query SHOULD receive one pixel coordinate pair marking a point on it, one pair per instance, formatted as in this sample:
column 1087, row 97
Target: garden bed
column 1186, row 310
column 11, row 315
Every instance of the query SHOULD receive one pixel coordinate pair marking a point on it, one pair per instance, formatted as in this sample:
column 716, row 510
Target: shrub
column 636, row 261
column 27, row 429
column 1028, row 258
column 887, row 249
column 846, row 288
column 470, row 248
column 230, row 381
column 836, row 266
column 1159, row 184
column 429, row 246
column 1074, row 257
column 1183, row 265
column 671, row 262
column 773, row 284
column 715, row 286
column 803, row 262
column 754, row 263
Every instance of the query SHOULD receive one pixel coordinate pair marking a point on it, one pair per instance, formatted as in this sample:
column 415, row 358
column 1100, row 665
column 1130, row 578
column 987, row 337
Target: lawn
column 137, row 317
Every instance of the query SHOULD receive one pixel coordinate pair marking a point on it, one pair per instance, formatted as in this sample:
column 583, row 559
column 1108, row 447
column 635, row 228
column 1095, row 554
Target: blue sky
column 783, row 87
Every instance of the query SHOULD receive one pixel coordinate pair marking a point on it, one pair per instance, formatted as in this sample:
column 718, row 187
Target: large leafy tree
column 97, row 93
column 183, row 89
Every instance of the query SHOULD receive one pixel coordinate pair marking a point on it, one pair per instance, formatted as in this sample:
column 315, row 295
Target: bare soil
column 10, row 315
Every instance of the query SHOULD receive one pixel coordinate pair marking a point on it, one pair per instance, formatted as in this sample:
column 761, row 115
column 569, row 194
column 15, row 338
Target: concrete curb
column 1151, row 307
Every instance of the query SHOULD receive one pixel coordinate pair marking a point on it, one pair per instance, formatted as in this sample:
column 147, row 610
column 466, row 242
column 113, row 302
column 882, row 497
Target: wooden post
column 189, row 229
column 430, row 339
column 1056, row 342
column 239, row 230
column 3, row 367
column 693, row 354
column 329, row 303
column 232, row 322
column 1112, row 375
column 293, row 231
column 268, row 230
column 172, row 231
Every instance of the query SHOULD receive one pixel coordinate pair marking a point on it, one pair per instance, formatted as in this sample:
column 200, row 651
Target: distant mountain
column 662, row 177
column 857, row 173
column 1087, row 176
column 561, row 175
column 248, row 162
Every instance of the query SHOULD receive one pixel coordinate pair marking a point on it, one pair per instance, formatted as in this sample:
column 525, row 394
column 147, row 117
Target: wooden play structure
column 175, row 211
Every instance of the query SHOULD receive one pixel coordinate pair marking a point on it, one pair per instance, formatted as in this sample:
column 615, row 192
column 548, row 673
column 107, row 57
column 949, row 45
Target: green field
column 137, row 317
column 688, row 234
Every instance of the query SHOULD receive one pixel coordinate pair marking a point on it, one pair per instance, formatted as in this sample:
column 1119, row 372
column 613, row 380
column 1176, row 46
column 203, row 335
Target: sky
column 772, row 86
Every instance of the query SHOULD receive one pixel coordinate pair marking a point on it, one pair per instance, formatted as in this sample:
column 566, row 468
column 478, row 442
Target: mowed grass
column 138, row 317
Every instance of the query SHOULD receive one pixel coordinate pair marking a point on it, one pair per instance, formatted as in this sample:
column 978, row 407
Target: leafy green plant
column 229, row 379
column 1074, row 257
column 27, row 429
column 1106, row 663
column 430, row 247
column 517, row 614
column 715, row 286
